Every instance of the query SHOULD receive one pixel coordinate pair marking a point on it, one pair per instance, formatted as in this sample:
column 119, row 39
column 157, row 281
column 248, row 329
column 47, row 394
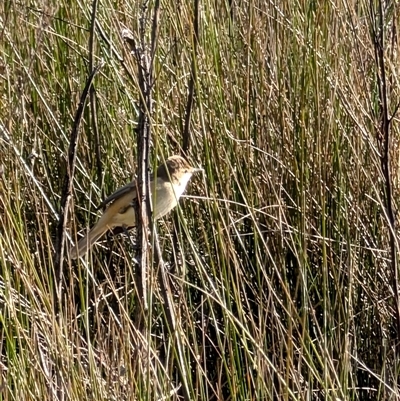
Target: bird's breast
column 165, row 195
column 163, row 198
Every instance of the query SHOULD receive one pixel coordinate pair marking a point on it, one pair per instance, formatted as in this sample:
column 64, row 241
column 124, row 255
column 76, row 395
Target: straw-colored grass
column 281, row 261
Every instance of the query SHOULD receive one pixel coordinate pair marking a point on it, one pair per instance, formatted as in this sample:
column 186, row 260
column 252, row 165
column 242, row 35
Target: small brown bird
column 167, row 186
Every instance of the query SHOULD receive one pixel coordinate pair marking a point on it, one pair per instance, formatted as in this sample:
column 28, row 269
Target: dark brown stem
column 384, row 140
column 92, row 95
column 67, row 186
column 146, row 81
column 193, row 80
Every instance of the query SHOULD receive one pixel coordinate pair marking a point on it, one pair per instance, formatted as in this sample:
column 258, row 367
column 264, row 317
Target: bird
column 167, row 186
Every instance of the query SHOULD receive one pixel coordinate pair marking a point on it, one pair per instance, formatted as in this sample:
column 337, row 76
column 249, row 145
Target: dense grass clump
column 280, row 276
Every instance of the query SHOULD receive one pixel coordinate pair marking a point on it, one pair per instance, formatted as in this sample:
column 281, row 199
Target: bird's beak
column 197, row 170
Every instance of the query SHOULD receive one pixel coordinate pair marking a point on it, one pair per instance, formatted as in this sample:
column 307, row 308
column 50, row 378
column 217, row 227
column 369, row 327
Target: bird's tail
column 88, row 240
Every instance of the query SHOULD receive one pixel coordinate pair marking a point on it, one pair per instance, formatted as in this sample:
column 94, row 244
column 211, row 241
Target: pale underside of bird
column 167, row 185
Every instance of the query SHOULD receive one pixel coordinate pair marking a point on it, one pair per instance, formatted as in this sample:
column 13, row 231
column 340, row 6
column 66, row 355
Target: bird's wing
column 122, row 191
column 131, row 187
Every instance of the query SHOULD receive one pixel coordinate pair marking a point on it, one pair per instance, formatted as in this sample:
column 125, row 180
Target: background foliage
column 282, row 262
